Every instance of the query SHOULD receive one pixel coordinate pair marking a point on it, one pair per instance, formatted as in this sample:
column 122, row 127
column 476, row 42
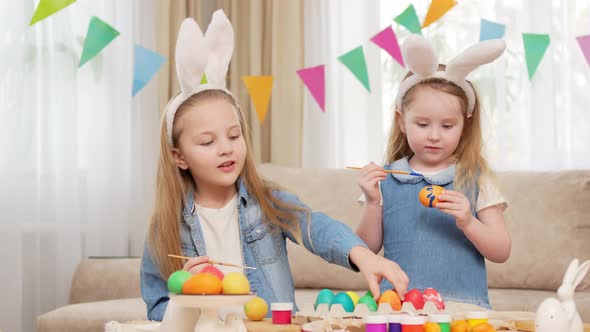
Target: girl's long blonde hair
column 173, row 184
column 471, row 165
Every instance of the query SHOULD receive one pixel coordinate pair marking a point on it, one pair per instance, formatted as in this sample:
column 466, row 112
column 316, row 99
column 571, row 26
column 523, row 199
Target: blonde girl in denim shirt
column 437, row 134
column 210, row 200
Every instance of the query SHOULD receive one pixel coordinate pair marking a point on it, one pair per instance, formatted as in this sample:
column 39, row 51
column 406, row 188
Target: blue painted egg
column 344, row 300
column 324, row 296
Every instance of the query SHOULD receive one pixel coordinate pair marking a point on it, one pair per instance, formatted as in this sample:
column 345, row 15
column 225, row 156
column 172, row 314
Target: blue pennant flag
column 491, row 30
column 146, row 64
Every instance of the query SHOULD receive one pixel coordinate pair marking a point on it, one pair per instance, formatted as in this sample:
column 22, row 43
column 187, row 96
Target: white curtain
column 78, row 153
column 528, row 125
column 345, row 134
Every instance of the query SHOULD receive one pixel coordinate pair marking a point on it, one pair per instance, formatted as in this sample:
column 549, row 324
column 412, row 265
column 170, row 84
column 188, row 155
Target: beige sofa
column 549, row 219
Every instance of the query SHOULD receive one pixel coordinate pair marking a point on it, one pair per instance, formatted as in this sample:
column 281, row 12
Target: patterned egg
column 432, row 295
column 428, row 196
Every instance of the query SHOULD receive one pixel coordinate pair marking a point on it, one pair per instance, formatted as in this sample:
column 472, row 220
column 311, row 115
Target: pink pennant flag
column 387, row 40
column 584, row 42
column 314, row 80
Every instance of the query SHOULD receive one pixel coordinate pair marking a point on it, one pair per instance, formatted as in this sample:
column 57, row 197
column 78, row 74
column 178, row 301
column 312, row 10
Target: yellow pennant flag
column 436, row 10
column 259, row 88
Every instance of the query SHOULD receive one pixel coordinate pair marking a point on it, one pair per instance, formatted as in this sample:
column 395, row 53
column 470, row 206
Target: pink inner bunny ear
column 220, row 39
column 581, row 273
column 479, row 54
column 419, row 55
column 191, row 55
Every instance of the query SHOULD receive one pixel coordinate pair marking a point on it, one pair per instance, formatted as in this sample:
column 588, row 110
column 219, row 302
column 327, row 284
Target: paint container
column 376, row 323
column 443, row 320
column 477, row 317
column 281, row 312
column 411, row 323
column 395, row 321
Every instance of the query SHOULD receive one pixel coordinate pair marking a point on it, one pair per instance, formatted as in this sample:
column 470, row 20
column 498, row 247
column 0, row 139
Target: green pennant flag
column 355, row 62
column 203, row 79
column 99, row 35
column 46, row 8
column 409, row 20
column 535, row 46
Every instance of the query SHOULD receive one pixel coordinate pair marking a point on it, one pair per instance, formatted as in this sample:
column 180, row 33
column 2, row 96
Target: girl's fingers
column 453, row 193
column 451, row 198
column 191, row 263
column 453, row 213
column 371, row 167
column 399, row 280
column 374, row 173
column 373, row 178
column 447, row 206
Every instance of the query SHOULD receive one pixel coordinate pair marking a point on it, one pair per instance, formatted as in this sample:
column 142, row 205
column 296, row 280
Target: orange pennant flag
column 259, row 88
column 436, row 10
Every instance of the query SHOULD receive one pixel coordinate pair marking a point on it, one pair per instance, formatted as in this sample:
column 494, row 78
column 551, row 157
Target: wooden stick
column 215, row 262
column 390, row 171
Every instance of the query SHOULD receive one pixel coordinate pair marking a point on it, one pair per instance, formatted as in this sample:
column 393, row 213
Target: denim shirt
column 427, row 243
column 263, row 247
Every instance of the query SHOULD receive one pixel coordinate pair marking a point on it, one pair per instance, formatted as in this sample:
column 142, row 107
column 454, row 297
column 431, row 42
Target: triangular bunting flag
column 145, row 65
column 584, row 42
column 46, row 8
column 355, row 62
column 314, row 80
column 387, row 40
column 491, row 30
column 259, row 88
column 99, row 35
column 535, row 46
column 203, row 79
column 436, row 10
column 409, row 20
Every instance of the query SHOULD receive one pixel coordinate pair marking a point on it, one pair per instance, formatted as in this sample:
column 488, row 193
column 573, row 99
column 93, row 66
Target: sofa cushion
column 549, row 221
column 91, row 316
column 99, row 279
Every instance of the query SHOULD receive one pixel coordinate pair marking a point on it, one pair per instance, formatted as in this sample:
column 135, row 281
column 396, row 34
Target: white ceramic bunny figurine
column 561, row 315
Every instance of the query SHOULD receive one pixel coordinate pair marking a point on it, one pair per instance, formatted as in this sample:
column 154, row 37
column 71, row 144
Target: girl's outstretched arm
column 336, row 243
column 487, row 232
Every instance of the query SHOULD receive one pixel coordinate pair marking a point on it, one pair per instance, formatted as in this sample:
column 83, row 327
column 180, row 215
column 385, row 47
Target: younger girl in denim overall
column 210, row 201
column 437, row 134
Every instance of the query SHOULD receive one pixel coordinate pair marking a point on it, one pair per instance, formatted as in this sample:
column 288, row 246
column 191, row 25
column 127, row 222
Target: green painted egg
column 176, row 280
column 369, row 302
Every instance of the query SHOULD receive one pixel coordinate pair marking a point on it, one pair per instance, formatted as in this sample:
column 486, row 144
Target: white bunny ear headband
column 421, row 60
column 197, row 55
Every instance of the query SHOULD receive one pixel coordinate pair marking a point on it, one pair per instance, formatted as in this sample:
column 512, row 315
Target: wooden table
column 529, row 326
column 267, row 326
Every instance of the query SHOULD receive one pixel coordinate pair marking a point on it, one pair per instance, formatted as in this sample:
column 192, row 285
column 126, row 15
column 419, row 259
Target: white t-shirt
column 222, row 234
column 489, row 194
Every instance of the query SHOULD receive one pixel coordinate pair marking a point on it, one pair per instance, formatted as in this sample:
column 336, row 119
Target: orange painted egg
column 428, row 196
column 202, row 284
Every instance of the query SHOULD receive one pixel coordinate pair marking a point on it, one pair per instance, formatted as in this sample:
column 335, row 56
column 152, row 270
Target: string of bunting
column 147, row 62
column 535, row 47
